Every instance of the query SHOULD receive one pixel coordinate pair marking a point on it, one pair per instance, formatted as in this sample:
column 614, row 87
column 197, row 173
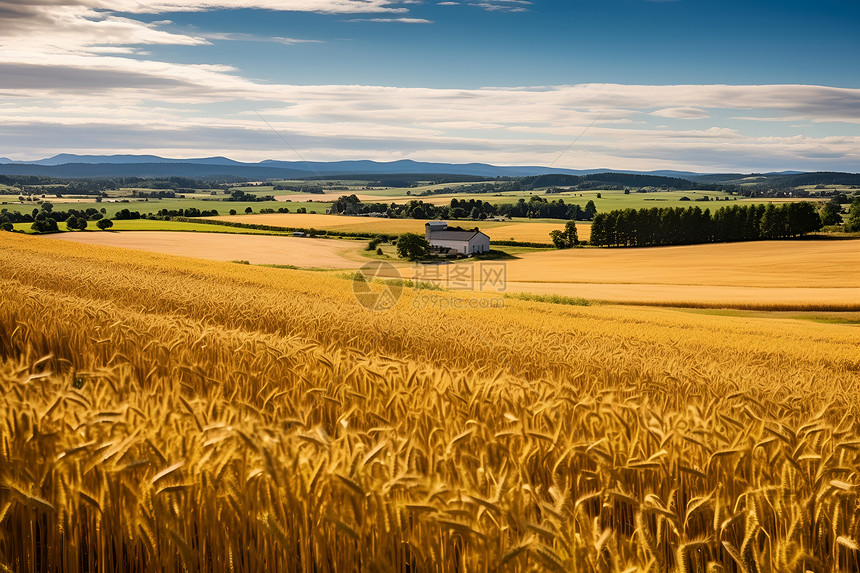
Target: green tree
column 248, row 210
column 853, row 224
column 831, row 213
column 6, row 226
column 412, row 246
column 44, row 225
column 802, row 218
column 104, row 224
column 571, row 234
column 600, row 230
column 567, row 238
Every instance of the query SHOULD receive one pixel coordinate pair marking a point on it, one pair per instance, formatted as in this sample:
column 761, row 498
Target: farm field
column 799, row 263
column 695, row 296
column 172, row 414
column 610, row 200
column 158, row 225
column 524, row 230
column 256, row 249
column 357, row 188
column 782, row 275
column 786, row 274
column 111, row 207
column 607, row 200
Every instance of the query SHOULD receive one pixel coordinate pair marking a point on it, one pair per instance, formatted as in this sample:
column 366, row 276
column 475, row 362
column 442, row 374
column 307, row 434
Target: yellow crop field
column 786, row 274
column 696, row 296
column 256, row 249
column 170, row 414
column 332, row 222
column 753, row 264
column 537, row 232
column 534, row 232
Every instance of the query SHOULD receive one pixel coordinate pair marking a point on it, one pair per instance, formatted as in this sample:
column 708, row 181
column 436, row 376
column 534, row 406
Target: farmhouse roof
column 455, row 235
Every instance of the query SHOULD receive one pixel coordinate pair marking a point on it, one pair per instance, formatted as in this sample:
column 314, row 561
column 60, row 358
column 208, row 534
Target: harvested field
column 330, row 222
column 534, row 232
column 813, row 264
column 798, row 275
column 256, row 249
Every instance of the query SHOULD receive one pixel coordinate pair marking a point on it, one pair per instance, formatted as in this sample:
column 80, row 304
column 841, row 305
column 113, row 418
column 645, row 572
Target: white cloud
column 503, row 5
column 497, row 125
column 681, row 113
column 393, row 20
column 69, row 84
column 67, row 29
column 159, row 6
column 99, row 26
column 236, row 37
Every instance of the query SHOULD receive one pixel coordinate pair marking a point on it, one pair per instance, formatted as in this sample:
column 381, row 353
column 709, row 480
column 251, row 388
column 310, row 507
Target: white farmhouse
column 456, row 241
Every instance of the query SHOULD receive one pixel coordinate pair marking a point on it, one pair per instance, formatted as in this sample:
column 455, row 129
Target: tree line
column 45, row 220
column 692, row 225
column 476, row 188
column 239, row 195
column 475, row 209
column 602, row 180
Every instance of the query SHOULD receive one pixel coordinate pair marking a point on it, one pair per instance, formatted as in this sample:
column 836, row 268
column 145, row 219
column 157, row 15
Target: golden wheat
column 167, row 414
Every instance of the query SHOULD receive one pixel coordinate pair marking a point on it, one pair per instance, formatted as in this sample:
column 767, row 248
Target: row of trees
column 89, row 214
column 79, row 224
column 477, row 188
column 190, row 212
column 540, row 208
column 239, row 195
column 315, row 189
column 680, row 226
column 47, row 220
column 476, row 209
column 159, row 194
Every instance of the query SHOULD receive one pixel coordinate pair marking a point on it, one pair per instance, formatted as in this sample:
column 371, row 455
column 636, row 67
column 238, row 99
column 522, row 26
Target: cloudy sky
column 704, row 85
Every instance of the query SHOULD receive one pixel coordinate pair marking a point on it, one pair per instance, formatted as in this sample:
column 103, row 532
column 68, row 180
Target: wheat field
column 171, row 414
column 256, row 249
column 790, row 264
column 776, row 275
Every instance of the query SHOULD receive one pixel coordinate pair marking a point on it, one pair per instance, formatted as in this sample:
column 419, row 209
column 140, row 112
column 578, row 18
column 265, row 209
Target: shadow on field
column 829, row 237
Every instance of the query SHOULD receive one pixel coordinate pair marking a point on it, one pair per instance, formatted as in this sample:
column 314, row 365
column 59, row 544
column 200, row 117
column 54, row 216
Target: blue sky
column 614, row 41
column 637, row 84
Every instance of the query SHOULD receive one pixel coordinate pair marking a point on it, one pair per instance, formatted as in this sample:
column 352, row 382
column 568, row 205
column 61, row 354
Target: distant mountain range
column 66, row 166
column 70, row 165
